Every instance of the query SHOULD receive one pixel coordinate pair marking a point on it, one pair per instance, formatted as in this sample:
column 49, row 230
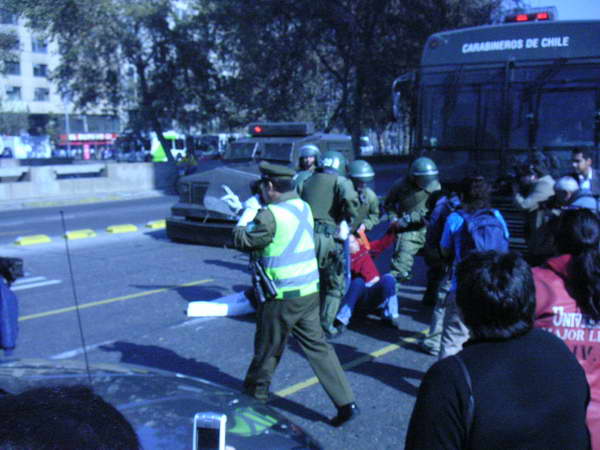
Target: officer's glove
column 247, row 216
column 343, row 231
column 253, row 202
column 251, row 205
column 232, row 200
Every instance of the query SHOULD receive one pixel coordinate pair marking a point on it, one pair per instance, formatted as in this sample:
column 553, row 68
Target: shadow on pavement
column 242, row 266
column 165, row 359
column 189, row 293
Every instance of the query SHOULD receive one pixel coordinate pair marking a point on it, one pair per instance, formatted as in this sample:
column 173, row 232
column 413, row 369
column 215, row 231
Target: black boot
column 345, row 414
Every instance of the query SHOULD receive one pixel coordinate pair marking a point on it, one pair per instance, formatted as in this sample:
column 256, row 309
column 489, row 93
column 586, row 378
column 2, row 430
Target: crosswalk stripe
column 22, row 287
column 28, row 280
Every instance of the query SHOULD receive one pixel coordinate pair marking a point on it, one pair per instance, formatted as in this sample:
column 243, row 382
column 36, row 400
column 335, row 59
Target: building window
column 40, row 70
column 12, row 68
column 41, row 94
column 13, row 93
column 38, row 45
column 7, row 18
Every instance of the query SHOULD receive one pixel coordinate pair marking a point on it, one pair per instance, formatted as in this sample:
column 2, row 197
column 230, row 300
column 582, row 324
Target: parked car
column 161, row 405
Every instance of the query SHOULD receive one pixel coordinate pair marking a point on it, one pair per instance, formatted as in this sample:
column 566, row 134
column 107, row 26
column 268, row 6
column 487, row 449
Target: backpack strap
column 470, row 413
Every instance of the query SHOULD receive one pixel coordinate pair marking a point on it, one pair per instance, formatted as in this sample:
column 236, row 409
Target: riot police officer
column 406, row 204
column 334, row 204
column 309, row 160
column 361, row 173
column 282, row 236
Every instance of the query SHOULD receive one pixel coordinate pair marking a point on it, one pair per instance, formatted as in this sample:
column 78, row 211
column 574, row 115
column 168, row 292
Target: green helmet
column 334, row 160
column 361, row 170
column 423, row 172
column 309, row 150
column 306, row 151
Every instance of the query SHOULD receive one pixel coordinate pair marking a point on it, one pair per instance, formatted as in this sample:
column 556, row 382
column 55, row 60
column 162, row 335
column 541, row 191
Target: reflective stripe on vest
column 290, row 260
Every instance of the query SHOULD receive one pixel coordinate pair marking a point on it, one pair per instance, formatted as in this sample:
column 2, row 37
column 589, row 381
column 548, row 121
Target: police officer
column 282, row 236
column 361, row 173
column 308, row 161
column 334, row 202
column 406, row 204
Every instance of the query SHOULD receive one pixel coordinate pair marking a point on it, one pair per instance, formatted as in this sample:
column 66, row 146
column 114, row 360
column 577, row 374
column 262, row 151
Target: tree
column 338, row 57
column 144, row 55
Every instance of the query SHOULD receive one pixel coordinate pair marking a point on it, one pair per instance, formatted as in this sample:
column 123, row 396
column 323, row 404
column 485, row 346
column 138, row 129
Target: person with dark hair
column 584, row 173
column 535, row 187
column 568, row 299
column 63, row 417
column 512, row 386
column 475, row 227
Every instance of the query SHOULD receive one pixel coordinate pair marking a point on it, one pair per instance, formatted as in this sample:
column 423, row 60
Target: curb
column 80, row 234
column 33, row 239
column 125, row 228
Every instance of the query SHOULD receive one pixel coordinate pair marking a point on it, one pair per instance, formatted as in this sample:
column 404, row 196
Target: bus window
column 240, row 150
column 553, row 106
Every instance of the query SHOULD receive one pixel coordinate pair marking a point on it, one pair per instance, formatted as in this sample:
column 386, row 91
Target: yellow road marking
column 111, row 300
column 125, row 228
column 156, row 224
column 80, row 234
column 33, row 239
column 357, row 362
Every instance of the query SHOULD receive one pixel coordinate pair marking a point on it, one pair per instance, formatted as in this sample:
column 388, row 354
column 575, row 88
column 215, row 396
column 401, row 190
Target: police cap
column 270, row 170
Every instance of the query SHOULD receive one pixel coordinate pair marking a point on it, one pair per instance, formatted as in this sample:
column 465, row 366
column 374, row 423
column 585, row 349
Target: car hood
column 161, row 405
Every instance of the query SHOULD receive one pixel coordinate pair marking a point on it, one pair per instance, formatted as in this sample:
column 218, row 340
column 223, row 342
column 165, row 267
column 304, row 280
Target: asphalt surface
column 133, row 289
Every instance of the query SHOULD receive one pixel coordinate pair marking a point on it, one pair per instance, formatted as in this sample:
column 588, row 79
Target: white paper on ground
column 232, row 305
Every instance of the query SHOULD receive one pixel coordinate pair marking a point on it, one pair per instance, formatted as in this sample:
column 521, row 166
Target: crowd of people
column 491, row 311
column 518, row 347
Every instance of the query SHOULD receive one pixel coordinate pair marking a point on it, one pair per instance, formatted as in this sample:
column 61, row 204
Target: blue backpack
column 482, row 231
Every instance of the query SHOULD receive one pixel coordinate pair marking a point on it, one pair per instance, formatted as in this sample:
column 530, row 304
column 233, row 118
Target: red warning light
column 543, row 16
column 521, row 18
column 258, row 129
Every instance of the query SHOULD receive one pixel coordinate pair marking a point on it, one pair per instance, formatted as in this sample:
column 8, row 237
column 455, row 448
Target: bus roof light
column 543, row 16
column 258, row 129
column 521, row 18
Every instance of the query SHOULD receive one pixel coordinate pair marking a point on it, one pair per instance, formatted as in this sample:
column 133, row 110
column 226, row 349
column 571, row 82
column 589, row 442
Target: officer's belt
column 325, row 228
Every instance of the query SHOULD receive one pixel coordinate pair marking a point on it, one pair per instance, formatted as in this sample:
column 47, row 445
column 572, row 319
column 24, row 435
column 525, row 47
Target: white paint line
column 192, row 322
column 28, row 280
column 34, row 285
column 79, row 351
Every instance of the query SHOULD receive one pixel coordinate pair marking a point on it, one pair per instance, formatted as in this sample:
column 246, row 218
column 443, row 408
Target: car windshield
column 240, row 150
column 277, row 151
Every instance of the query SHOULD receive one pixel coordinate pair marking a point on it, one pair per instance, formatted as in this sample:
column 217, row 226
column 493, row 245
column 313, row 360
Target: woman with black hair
column 568, row 299
column 512, row 386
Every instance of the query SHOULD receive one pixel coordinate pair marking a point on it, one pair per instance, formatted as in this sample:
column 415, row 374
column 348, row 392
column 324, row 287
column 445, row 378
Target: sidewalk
column 48, row 202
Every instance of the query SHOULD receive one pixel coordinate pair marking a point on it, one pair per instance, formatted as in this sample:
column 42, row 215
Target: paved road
column 134, row 287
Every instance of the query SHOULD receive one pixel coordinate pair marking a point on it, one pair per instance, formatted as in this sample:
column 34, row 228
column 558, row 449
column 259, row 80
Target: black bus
column 489, row 96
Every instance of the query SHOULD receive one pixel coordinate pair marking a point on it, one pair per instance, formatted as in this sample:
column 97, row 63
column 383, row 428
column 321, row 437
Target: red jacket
column 557, row 312
column 362, row 264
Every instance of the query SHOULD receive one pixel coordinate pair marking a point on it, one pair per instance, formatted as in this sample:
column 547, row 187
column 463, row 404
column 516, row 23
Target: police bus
column 489, row 96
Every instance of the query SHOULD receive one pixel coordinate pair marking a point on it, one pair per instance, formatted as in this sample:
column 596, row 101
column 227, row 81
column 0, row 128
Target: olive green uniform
column 332, row 199
column 301, row 177
column 277, row 318
column 368, row 210
column 406, row 200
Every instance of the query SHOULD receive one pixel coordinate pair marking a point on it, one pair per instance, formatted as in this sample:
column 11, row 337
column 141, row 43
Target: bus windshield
column 277, row 151
column 551, row 105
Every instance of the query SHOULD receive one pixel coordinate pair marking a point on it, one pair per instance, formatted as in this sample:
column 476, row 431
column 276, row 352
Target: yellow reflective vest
column 290, row 259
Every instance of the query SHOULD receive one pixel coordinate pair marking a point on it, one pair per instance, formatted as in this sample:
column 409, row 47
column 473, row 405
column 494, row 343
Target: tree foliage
column 331, row 61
